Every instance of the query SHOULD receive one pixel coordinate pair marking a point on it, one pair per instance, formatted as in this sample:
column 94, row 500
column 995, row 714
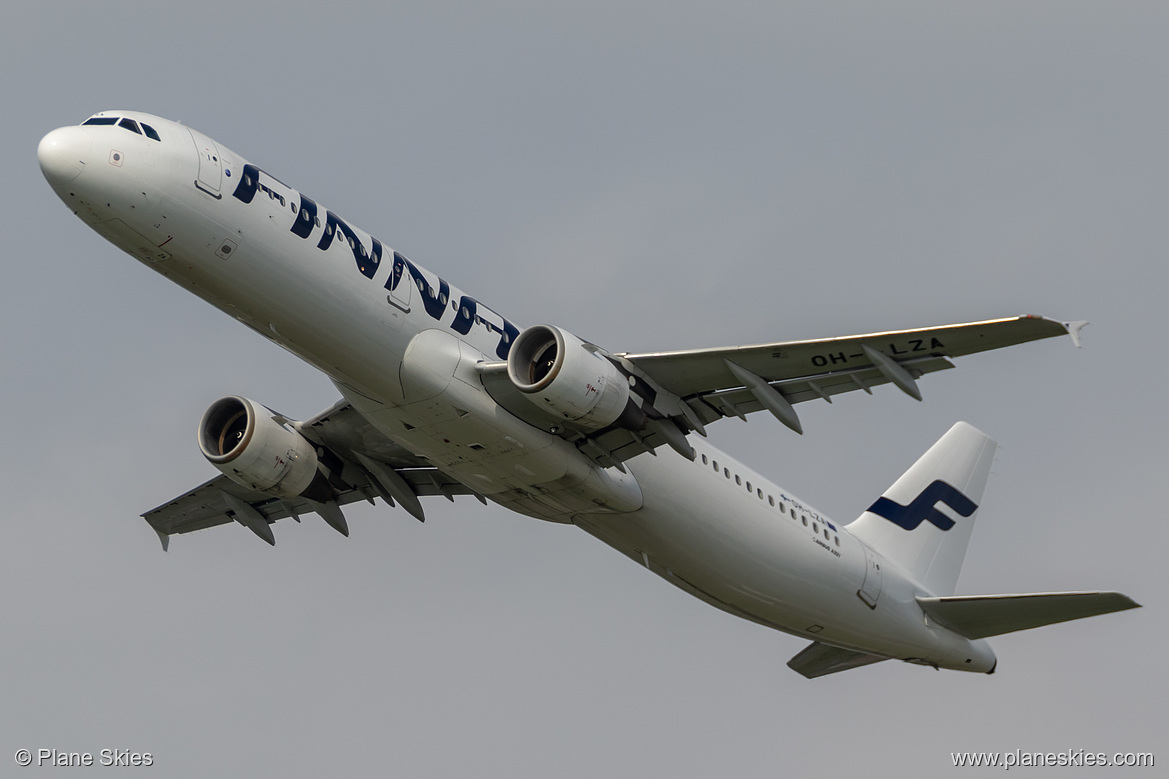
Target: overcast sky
column 649, row 176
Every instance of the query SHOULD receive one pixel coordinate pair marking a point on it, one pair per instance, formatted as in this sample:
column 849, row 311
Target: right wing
column 365, row 464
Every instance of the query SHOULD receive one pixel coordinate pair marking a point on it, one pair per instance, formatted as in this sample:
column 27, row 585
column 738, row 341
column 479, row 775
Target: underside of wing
column 680, row 392
column 361, row 463
column 718, row 382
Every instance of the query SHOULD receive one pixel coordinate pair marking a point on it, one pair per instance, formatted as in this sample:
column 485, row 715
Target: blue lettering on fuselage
column 305, row 218
column 468, row 311
column 434, row 301
column 245, row 190
column 366, row 263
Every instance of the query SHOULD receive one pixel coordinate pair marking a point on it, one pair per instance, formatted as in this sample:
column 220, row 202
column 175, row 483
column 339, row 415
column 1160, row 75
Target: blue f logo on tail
column 922, row 509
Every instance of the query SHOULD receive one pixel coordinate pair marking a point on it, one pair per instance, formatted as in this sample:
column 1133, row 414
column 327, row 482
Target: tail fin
column 923, row 522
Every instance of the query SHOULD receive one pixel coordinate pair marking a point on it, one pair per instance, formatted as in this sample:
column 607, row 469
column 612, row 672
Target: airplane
column 443, row 396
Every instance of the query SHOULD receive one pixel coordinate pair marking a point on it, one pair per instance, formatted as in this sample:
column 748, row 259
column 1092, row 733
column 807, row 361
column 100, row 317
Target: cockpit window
column 127, row 123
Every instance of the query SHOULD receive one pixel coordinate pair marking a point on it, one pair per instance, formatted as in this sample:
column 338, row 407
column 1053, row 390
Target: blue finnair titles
column 468, row 310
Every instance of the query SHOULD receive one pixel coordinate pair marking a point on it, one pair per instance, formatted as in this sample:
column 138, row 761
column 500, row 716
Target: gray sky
column 650, row 176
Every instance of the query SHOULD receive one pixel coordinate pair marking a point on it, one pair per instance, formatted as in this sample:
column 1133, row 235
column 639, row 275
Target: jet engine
column 253, row 448
column 568, row 378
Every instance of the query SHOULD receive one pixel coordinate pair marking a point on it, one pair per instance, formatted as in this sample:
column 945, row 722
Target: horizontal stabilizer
column 820, row 660
column 980, row 616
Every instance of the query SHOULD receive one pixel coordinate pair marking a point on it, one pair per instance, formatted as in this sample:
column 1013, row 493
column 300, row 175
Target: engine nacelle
column 243, row 440
column 565, row 377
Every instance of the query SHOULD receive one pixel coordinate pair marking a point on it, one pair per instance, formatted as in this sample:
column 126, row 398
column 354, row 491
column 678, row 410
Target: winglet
column 164, row 538
column 1074, row 329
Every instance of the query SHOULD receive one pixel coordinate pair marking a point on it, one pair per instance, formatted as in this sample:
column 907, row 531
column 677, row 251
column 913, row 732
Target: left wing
column 364, row 465
column 686, row 390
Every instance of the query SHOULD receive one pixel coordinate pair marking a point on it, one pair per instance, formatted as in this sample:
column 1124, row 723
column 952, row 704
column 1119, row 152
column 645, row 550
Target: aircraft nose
column 63, row 154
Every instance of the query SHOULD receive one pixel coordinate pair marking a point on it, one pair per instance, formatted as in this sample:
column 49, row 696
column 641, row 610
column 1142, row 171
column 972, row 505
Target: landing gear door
column 870, row 589
column 210, row 165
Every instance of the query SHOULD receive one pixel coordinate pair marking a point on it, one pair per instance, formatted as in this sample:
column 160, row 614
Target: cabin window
column 704, row 460
column 771, row 500
column 837, row 540
column 815, row 529
column 825, row 534
column 150, row 132
column 805, row 519
column 727, row 472
column 760, row 493
column 793, row 512
column 748, row 486
column 738, row 480
column 130, row 125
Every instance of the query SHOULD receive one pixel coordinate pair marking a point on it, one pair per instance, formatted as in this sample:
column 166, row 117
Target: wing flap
column 981, row 616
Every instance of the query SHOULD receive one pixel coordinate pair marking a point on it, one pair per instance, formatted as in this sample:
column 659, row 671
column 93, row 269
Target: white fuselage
column 402, row 345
